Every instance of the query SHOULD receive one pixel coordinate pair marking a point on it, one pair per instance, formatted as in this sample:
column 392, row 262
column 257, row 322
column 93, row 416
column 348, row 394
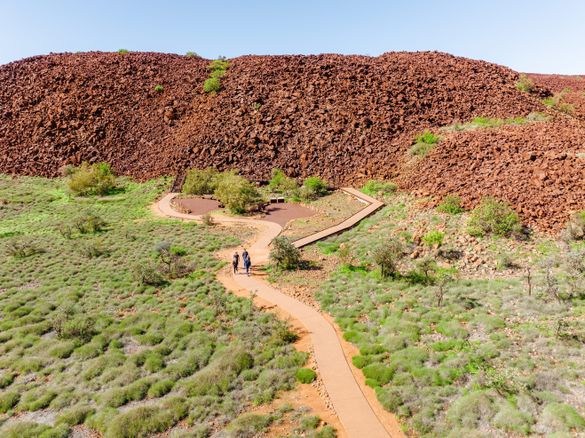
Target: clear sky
column 533, row 36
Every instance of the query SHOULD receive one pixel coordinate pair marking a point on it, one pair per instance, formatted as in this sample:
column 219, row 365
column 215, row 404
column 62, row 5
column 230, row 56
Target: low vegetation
column 218, row 68
column 379, row 188
column 423, row 144
column 284, row 185
column 451, row 205
column 492, row 122
column 84, row 337
column 313, row 188
column 455, row 353
column 558, row 102
column 496, row 217
column 525, row 84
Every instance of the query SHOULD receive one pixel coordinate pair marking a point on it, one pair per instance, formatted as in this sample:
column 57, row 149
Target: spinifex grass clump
column 82, row 337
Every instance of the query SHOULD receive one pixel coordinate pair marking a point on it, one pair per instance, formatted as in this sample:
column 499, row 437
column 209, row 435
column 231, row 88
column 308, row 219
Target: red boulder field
column 345, row 118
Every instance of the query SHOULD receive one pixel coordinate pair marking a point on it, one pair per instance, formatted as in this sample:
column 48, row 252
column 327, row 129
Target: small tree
column 91, row 179
column 387, row 257
column 313, row 188
column 201, row 182
column 280, row 183
column 283, row 254
column 443, row 277
column 237, row 193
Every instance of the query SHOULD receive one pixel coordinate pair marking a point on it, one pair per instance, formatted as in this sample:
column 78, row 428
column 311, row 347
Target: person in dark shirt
column 248, row 265
column 236, row 261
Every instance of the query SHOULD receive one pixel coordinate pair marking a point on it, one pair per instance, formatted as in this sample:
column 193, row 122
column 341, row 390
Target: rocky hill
column 346, row 118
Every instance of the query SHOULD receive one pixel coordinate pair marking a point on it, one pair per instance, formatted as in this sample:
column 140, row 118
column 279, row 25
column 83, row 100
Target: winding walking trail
column 357, row 416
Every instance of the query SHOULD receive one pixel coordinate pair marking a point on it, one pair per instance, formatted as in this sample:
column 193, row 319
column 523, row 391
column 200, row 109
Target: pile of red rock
column 345, row 118
column 538, row 167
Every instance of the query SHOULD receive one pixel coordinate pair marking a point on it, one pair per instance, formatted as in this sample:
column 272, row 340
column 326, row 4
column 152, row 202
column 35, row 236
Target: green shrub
column 283, row 254
column 212, row 85
column 387, row 256
column 575, row 228
column 510, row 419
column 159, row 88
column 6, row 379
column 325, row 432
column 557, row 102
column 280, row 183
column 248, row 425
column 71, row 325
column 93, row 249
column 8, row 400
column 237, row 193
column 378, row 372
column 122, row 51
column 471, row 409
column 562, row 417
column 191, row 54
column 89, row 223
column 313, row 188
column 525, row 84
column 379, row 188
column 160, row 388
column 37, row 399
column 306, row 375
column 22, row 248
column 450, row 205
column 423, row 144
column 148, row 274
column 145, row 421
column 35, row 430
column 92, row 179
column 310, row 422
column 74, row 416
column 201, row 182
column 495, row 217
column 433, row 238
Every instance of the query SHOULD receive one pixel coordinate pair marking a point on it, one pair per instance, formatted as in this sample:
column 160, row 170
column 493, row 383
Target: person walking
column 248, row 265
column 236, row 261
column 245, row 254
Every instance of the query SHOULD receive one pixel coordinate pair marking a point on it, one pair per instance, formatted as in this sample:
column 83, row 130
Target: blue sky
column 534, row 36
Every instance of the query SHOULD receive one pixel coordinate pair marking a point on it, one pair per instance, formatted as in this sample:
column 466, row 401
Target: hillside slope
column 327, row 114
column 346, row 118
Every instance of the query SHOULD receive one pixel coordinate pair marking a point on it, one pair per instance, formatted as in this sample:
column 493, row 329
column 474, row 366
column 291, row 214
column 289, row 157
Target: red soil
column 285, row 212
column 197, row 206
